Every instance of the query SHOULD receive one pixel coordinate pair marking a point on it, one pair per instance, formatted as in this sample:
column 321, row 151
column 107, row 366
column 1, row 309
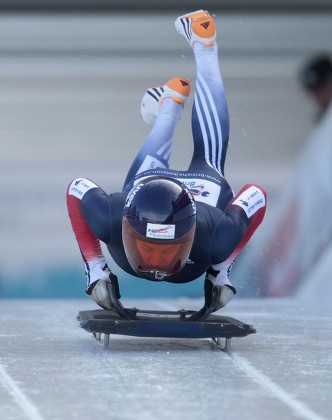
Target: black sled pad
column 168, row 324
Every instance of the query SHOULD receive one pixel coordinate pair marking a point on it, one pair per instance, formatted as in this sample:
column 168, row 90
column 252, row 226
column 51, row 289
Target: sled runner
column 168, row 324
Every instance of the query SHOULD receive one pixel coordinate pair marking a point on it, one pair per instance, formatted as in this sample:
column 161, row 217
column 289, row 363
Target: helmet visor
column 155, row 259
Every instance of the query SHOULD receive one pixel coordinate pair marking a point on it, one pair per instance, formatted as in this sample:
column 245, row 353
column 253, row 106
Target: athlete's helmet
column 158, row 227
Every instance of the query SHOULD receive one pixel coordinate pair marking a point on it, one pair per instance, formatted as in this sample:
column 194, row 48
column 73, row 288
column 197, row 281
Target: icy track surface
column 50, row 368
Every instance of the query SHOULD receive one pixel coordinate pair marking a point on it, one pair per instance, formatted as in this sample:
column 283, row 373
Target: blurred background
column 72, row 76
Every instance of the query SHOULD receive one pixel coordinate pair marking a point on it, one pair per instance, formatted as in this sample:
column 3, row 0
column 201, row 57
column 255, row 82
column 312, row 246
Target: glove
column 216, row 297
column 105, row 292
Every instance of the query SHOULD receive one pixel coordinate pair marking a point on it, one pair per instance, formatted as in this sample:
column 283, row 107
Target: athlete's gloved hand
column 216, row 297
column 106, row 293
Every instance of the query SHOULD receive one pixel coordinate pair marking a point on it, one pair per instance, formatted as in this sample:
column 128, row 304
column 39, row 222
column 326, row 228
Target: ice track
column 52, row 369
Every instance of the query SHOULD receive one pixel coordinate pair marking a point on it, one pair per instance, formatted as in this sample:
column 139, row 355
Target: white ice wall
column 294, row 247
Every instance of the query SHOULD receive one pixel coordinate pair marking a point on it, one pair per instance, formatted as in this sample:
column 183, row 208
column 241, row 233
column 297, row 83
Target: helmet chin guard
column 158, row 227
column 158, row 275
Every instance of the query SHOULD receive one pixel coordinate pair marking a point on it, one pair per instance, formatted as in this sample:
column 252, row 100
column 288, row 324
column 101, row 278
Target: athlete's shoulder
column 209, row 219
column 207, row 211
column 117, row 201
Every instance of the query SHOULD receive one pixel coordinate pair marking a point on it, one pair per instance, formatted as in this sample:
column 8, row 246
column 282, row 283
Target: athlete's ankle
column 170, row 106
column 201, row 49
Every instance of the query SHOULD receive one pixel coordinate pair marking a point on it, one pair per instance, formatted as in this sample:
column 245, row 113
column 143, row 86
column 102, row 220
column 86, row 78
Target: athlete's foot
column 177, row 88
column 197, row 26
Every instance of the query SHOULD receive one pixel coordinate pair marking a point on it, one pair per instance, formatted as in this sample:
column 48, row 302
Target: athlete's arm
column 243, row 216
column 88, row 208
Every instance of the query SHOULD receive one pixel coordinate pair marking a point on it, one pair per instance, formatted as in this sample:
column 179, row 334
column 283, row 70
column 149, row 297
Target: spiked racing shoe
column 176, row 88
column 197, row 26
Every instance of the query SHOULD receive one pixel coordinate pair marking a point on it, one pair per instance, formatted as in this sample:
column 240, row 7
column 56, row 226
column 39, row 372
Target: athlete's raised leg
column 210, row 120
column 162, row 107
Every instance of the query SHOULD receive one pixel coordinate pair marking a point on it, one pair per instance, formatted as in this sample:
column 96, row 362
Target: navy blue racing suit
column 225, row 222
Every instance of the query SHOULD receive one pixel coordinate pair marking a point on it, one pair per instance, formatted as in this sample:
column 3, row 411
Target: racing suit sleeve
column 247, row 208
column 89, row 244
column 251, row 203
